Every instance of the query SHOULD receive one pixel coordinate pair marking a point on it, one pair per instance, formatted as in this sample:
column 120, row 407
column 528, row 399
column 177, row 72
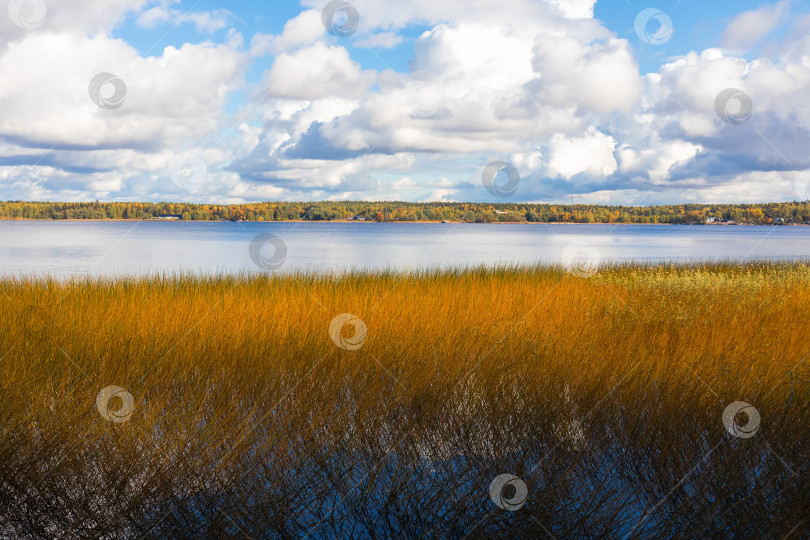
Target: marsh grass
column 604, row 395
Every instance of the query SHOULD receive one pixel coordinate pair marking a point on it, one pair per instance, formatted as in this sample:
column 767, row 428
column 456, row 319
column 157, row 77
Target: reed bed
column 603, row 395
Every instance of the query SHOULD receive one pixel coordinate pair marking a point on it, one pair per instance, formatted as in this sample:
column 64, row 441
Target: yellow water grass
column 604, row 394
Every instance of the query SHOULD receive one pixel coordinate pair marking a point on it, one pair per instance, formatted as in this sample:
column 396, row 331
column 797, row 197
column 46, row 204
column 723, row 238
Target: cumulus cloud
column 88, row 16
column 776, row 133
column 304, row 29
column 318, row 71
column 591, row 154
column 168, row 99
column 66, row 145
column 541, row 84
column 472, row 87
column 601, row 76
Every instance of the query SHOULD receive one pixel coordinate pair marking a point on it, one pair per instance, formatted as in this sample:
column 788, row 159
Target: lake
column 110, row 248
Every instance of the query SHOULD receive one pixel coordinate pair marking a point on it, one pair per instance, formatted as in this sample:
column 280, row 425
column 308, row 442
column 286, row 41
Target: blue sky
column 247, row 101
column 698, row 25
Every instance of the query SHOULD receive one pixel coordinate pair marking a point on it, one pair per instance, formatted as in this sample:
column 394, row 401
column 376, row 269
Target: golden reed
column 247, row 416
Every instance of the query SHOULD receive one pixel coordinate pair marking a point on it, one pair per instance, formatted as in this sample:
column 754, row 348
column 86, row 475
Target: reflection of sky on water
column 135, row 247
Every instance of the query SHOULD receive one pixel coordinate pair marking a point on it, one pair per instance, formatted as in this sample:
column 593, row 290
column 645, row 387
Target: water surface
column 110, row 248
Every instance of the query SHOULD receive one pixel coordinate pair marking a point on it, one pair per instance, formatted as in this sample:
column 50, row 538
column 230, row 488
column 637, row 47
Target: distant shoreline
column 422, row 221
column 393, row 212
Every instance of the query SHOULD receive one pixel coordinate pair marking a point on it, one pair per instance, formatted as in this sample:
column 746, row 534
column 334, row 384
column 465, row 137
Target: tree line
column 757, row 214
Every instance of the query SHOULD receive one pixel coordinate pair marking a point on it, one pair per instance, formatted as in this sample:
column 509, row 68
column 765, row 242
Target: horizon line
column 383, row 201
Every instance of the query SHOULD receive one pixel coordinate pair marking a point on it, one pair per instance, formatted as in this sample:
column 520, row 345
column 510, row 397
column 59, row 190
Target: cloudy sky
column 207, row 101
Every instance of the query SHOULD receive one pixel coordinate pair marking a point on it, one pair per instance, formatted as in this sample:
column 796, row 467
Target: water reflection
column 141, row 247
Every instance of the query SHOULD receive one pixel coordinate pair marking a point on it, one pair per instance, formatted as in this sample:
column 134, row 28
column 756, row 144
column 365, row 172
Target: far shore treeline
column 755, row 214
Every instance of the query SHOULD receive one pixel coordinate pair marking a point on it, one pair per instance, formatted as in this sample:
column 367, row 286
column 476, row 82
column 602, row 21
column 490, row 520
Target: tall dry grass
column 603, row 395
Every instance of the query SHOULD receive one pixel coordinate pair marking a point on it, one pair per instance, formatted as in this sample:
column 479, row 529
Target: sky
column 609, row 102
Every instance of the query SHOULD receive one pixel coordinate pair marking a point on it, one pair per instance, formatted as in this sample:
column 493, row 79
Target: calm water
column 108, row 248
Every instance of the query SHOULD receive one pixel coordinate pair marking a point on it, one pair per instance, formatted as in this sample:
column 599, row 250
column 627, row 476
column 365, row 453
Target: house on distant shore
column 720, row 221
column 169, row 216
column 357, row 218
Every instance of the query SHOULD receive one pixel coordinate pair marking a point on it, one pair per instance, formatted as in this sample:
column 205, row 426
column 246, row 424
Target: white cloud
column 87, row 16
column 528, row 161
column 169, row 98
column 440, row 195
column 203, row 21
column 386, row 15
column 383, row 40
column 574, row 9
column 657, row 160
column 683, row 103
column 749, row 27
column 591, row 154
column 74, row 146
column 405, row 184
column 473, row 55
column 304, row 29
column 600, row 76
column 318, row 71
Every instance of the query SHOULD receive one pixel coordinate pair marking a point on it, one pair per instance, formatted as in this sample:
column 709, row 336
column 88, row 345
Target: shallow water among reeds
column 253, row 414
